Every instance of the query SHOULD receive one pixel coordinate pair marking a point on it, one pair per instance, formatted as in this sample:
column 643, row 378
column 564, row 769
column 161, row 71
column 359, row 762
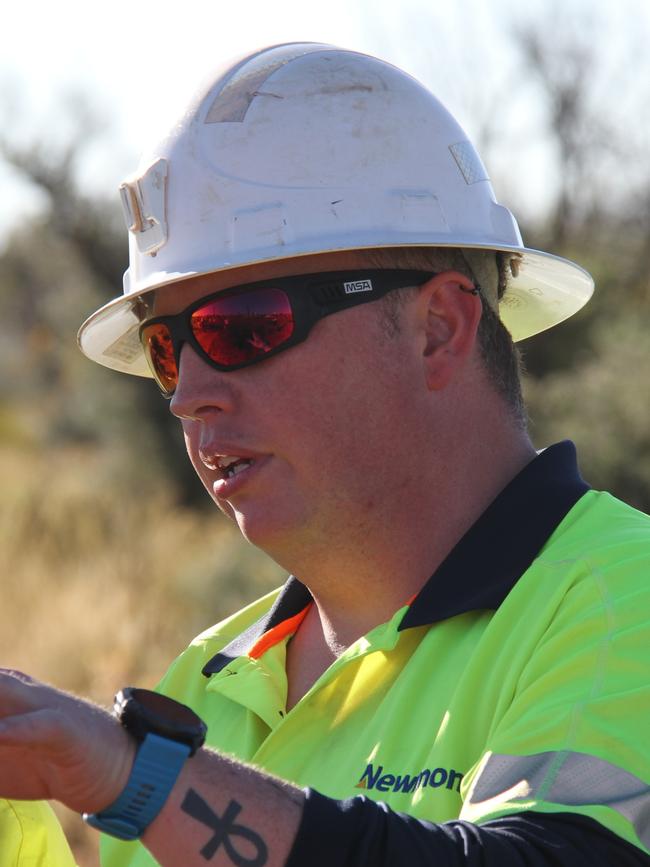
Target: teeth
column 228, row 465
column 227, row 460
column 231, row 466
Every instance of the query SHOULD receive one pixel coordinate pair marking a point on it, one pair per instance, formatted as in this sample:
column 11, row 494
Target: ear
column 450, row 311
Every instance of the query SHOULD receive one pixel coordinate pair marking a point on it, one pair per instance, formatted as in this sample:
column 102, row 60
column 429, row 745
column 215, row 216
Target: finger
column 14, row 673
column 16, row 691
column 12, row 678
column 21, row 738
column 41, row 758
column 21, row 693
column 38, row 727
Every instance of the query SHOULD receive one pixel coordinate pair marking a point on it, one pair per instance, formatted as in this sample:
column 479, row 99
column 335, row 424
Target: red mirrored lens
column 159, row 350
column 238, row 329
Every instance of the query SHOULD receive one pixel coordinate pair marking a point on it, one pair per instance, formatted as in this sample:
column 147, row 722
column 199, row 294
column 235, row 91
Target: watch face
column 168, row 709
column 142, row 711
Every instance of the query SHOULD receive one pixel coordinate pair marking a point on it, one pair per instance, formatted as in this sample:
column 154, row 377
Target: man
column 458, row 671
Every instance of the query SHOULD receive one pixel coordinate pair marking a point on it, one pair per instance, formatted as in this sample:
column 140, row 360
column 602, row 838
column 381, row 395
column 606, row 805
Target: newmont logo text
column 436, row 778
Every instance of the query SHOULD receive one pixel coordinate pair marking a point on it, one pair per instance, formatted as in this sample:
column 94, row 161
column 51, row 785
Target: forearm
column 53, row 745
column 225, row 813
column 358, row 832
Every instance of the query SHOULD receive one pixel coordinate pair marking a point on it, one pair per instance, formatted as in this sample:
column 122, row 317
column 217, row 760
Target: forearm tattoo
column 224, row 828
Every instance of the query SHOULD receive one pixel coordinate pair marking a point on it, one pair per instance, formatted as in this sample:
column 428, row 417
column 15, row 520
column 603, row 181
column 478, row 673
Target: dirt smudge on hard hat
column 347, row 88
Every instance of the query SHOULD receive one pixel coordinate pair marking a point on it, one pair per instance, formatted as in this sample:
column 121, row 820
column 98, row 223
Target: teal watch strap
column 157, row 765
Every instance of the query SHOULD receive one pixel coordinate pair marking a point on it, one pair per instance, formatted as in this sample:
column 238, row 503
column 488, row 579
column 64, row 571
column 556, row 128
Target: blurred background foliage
column 112, row 554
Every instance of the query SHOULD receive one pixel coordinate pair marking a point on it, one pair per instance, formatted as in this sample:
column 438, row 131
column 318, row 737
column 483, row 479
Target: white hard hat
column 307, row 148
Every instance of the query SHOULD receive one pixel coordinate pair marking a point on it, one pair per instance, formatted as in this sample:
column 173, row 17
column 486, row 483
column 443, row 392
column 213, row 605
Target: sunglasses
column 242, row 326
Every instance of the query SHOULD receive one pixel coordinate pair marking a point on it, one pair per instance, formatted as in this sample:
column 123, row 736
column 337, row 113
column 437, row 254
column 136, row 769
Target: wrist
column 155, row 769
column 111, row 757
column 125, row 752
column 161, row 734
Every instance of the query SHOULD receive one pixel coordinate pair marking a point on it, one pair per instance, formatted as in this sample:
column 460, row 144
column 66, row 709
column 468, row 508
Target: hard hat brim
column 544, row 291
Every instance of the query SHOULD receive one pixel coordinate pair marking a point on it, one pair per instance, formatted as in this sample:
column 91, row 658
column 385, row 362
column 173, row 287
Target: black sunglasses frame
column 311, row 297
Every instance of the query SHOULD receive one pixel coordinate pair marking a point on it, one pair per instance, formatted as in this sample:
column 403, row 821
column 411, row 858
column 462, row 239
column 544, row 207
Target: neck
column 385, row 555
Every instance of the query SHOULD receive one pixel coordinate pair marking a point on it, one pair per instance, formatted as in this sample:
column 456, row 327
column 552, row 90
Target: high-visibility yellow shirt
column 31, row 836
column 517, row 680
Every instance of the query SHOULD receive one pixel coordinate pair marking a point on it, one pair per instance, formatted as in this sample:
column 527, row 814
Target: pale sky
column 136, row 64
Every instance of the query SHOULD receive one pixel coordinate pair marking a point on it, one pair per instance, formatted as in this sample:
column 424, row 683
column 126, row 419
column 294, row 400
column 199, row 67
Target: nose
column 201, row 388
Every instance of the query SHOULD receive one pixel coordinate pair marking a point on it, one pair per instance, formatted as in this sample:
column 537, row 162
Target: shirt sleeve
column 31, row 836
column 573, row 736
column 362, row 833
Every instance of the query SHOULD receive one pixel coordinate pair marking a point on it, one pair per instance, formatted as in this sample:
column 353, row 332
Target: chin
column 267, row 530
column 263, row 534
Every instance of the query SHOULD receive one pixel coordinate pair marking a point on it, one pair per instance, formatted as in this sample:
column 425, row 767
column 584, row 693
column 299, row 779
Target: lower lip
column 224, row 489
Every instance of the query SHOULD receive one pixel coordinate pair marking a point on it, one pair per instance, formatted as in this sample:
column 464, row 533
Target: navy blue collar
column 482, row 568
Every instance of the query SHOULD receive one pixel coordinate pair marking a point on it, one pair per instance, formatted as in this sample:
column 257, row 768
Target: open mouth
column 230, row 465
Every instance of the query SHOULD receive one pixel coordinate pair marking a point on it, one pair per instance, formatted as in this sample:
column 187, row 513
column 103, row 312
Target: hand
column 54, row 745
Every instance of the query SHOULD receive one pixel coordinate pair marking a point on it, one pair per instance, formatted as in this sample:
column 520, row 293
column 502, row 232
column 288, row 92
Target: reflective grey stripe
column 573, row 779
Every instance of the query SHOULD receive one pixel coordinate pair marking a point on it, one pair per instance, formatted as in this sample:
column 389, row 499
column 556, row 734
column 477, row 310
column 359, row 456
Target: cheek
column 343, row 410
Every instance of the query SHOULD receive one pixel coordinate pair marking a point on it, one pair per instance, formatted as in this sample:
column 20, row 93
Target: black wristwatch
column 168, row 733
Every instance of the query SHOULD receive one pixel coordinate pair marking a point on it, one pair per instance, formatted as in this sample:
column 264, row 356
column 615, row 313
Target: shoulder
column 599, row 523
column 585, row 601
column 601, row 536
column 588, row 584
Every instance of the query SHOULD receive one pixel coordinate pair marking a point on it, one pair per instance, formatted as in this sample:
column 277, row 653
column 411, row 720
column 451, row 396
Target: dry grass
column 102, row 586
